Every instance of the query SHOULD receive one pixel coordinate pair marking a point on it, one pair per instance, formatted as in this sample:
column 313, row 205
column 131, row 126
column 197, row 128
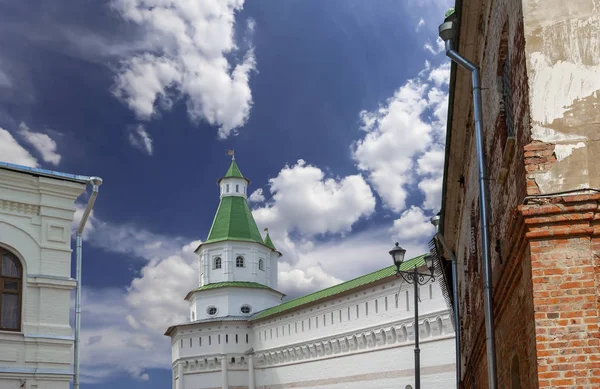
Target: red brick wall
column 502, row 33
column 564, row 238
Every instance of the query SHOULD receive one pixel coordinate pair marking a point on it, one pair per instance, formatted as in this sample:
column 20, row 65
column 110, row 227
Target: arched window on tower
column 10, row 292
column 237, row 188
column 261, row 264
column 217, row 263
column 227, row 188
column 239, row 261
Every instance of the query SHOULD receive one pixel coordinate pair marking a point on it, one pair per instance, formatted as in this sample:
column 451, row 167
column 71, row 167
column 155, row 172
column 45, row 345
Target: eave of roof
column 170, row 330
column 452, row 86
column 45, row 173
column 231, row 284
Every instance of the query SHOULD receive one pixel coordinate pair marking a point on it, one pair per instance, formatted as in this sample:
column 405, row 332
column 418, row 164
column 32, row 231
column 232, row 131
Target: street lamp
column 415, row 278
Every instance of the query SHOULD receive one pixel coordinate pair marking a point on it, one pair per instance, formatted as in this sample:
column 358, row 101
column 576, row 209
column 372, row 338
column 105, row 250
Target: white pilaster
column 268, row 270
column 229, row 263
column 251, row 380
column 180, row 379
column 206, row 265
column 225, row 385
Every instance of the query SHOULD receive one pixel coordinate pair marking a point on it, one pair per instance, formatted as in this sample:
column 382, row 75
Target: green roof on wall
column 343, row 287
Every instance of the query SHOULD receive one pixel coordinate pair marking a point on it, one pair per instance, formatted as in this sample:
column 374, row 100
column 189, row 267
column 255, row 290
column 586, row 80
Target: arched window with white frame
column 239, row 261
column 217, row 262
column 261, row 264
column 11, row 273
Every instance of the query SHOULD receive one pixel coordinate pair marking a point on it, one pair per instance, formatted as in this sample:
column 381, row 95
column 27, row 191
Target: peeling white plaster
column 549, row 135
column 558, row 86
column 563, row 151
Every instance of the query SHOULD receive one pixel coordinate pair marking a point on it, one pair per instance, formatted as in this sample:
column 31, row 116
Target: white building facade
column 36, row 339
column 356, row 334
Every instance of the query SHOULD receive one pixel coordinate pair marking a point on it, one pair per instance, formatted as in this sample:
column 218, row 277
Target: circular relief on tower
column 246, row 309
column 211, row 311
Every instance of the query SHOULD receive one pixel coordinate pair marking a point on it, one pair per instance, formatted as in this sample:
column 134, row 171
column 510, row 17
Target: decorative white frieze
column 371, row 338
column 15, row 207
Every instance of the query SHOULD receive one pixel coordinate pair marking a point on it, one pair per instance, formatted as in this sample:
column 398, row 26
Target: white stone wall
column 229, row 301
column 35, row 224
column 228, row 251
column 233, row 187
column 374, row 348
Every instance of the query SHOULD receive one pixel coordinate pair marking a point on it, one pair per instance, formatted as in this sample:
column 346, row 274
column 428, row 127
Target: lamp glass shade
column 397, row 254
column 429, row 262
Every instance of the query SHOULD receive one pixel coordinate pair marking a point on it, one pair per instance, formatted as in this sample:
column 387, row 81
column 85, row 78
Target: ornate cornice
column 367, row 339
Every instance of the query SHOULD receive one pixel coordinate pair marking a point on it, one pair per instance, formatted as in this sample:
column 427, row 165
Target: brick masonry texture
column 546, row 273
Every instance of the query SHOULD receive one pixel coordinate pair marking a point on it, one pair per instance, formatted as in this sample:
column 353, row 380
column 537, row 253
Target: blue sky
column 336, row 111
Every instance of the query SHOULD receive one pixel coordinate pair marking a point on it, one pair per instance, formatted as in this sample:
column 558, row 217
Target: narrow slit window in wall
column 407, row 302
column 367, row 308
column 181, row 344
column 396, row 296
column 386, row 303
column 209, row 340
column 430, row 291
column 376, row 306
column 246, row 338
column 236, row 338
column 200, row 341
column 357, row 315
column 190, row 342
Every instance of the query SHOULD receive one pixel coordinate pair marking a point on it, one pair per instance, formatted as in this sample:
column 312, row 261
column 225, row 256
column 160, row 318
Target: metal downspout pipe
column 448, row 34
column 96, row 182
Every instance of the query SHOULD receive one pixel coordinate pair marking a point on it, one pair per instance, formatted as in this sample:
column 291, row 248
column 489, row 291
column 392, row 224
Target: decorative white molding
column 18, row 208
column 378, row 337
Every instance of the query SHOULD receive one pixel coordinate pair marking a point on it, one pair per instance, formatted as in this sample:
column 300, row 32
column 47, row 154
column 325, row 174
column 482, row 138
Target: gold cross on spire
column 232, row 153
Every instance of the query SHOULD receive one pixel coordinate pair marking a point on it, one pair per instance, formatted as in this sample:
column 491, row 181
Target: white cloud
column 403, row 147
column 5, row 80
column 140, row 139
column 440, row 75
column 193, row 43
column 431, row 162
column 125, row 238
column 11, row 151
column 257, row 196
column 45, row 145
column 413, row 224
column 396, row 133
column 420, row 24
column 440, row 46
column 432, row 188
column 304, row 201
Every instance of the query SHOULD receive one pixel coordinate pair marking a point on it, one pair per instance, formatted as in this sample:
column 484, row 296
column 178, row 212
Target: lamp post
column 414, row 277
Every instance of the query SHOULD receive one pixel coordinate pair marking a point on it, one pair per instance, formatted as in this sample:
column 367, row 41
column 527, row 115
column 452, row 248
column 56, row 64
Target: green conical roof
column 269, row 242
column 233, row 172
column 234, row 221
